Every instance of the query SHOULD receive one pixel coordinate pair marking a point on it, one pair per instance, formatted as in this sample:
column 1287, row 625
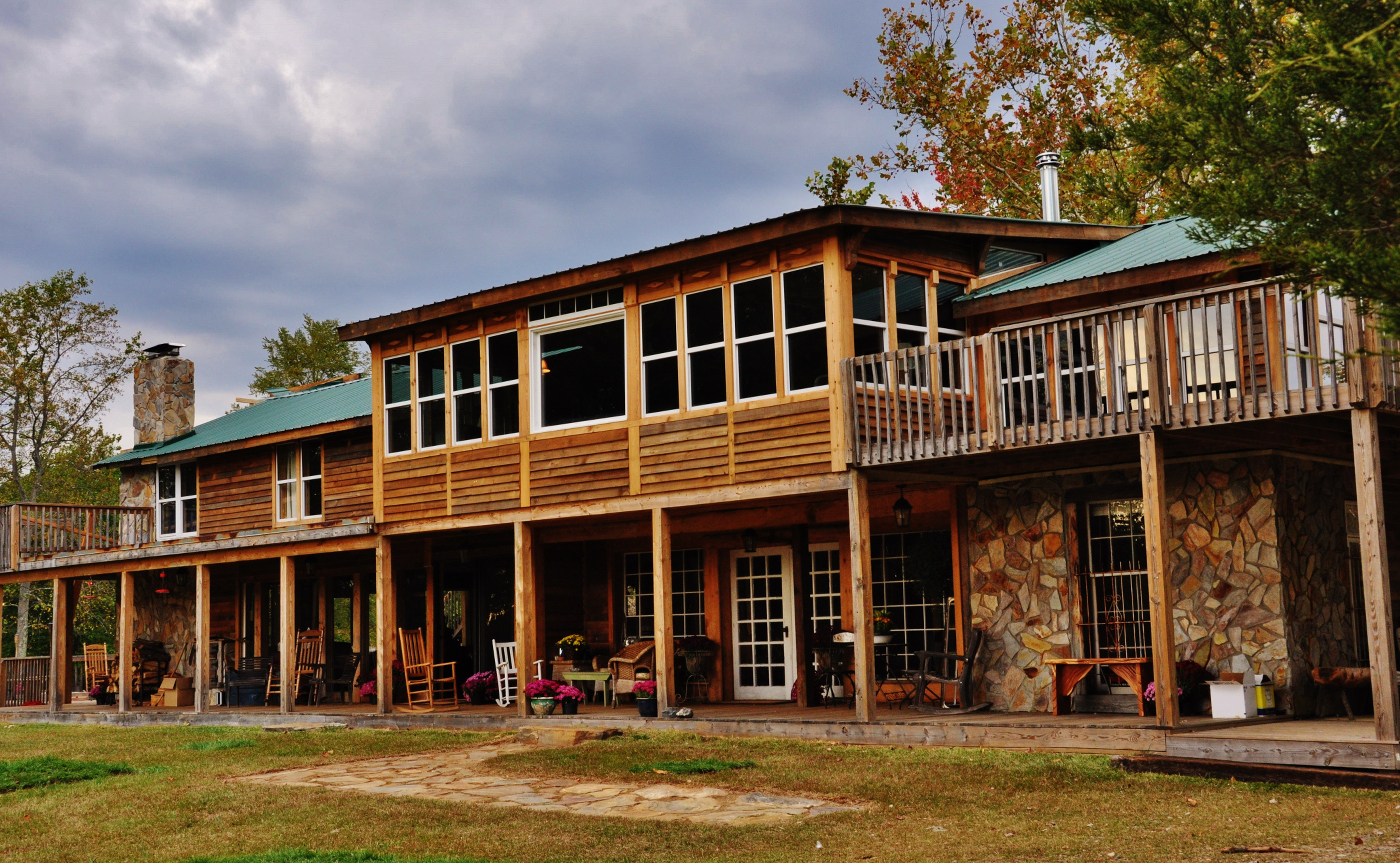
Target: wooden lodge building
column 1077, row 441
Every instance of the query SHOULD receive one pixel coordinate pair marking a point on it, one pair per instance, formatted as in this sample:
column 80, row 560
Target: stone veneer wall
column 167, row 617
column 138, row 487
column 163, row 398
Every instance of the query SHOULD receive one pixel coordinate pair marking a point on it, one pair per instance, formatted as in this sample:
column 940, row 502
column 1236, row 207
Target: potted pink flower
column 480, row 688
column 645, row 692
column 568, row 698
column 541, row 695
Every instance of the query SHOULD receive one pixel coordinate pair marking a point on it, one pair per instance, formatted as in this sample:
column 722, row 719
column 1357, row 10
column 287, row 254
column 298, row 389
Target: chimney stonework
column 163, row 397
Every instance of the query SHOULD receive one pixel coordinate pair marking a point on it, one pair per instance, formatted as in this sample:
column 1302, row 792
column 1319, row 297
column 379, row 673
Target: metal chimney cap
column 164, row 349
column 1050, row 157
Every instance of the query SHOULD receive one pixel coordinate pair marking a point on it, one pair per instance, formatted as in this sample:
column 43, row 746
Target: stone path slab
column 457, row 776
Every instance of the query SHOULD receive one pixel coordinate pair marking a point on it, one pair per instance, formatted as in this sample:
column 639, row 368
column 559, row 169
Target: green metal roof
column 1155, row 243
column 281, row 413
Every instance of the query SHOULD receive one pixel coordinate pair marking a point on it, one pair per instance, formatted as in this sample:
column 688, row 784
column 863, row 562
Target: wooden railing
column 24, row 681
column 36, row 530
column 1242, row 352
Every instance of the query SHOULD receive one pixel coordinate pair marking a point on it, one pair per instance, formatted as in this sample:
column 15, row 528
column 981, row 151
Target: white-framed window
column 577, row 305
column 503, row 383
column 398, row 404
column 910, row 310
column 299, row 482
column 580, row 372
column 804, row 329
column 704, row 348
column 660, row 374
column 755, row 358
column 466, row 391
column 177, row 504
column 824, row 586
column 868, row 309
column 944, row 294
column 432, row 398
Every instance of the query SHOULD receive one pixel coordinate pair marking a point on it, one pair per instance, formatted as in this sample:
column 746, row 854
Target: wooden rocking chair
column 308, row 670
column 422, row 676
column 97, row 664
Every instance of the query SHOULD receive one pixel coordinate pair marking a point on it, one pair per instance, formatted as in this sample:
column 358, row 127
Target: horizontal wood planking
column 783, row 440
column 235, row 492
column 486, row 479
column 1307, row 753
column 579, row 467
column 415, row 487
column 348, row 477
column 685, row 454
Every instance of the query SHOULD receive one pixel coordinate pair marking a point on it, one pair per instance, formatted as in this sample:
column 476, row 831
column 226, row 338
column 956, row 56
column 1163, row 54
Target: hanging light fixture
column 163, row 588
column 903, row 510
column 750, row 540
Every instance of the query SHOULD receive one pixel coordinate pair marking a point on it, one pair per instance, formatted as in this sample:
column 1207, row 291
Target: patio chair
column 345, row 675
column 507, row 676
column 425, row 679
column 251, row 672
column 961, row 681
column 309, row 654
column 633, row 658
column 97, row 664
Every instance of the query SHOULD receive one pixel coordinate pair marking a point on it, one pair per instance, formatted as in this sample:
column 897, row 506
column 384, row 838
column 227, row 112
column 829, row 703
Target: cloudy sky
column 219, row 167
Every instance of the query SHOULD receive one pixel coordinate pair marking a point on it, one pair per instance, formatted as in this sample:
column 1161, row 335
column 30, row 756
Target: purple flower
column 569, row 693
column 644, row 689
column 541, row 689
column 483, row 683
column 367, row 688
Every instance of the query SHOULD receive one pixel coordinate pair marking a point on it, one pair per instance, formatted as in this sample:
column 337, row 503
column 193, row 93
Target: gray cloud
column 221, row 167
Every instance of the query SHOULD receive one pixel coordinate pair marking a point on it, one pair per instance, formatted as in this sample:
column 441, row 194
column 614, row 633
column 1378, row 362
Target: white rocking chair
column 507, row 677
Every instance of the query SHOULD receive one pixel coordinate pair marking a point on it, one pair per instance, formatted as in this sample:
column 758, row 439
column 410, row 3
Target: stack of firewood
column 149, row 661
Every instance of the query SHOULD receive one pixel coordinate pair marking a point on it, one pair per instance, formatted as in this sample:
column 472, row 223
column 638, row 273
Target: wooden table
column 601, row 679
column 1066, row 673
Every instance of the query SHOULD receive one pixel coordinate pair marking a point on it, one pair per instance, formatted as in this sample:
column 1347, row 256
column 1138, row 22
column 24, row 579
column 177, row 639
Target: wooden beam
column 60, row 648
column 359, row 627
column 287, row 630
column 202, row 669
column 384, row 624
column 664, row 621
column 802, row 605
column 126, row 588
column 1375, row 571
column 863, row 610
column 1157, row 525
column 526, row 598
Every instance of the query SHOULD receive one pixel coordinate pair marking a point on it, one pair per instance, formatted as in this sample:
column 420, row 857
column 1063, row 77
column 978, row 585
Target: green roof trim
column 1156, row 243
column 306, row 409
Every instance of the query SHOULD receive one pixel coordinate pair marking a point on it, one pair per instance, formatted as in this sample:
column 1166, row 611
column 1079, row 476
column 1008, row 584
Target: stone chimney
column 163, row 395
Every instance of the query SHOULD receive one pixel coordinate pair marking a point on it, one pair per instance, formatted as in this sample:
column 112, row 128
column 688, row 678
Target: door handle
column 785, row 632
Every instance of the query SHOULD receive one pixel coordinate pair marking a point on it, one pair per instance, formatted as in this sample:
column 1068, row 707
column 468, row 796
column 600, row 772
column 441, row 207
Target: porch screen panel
column 760, row 606
column 1115, row 582
column 917, row 621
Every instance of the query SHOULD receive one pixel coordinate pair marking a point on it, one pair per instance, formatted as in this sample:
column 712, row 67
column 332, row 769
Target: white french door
column 764, row 666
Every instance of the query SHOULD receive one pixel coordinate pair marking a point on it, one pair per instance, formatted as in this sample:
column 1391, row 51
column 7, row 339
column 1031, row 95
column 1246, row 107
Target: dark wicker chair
column 250, row 673
column 344, row 674
column 934, row 668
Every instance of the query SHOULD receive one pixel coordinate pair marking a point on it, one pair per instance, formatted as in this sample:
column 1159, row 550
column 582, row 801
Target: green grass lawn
column 920, row 805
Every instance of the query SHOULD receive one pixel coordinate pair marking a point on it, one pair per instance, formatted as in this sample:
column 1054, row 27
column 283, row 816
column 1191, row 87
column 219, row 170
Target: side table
column 602, row 682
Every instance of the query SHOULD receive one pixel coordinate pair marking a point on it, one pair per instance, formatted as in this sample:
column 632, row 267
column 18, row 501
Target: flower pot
column 542, row 706
column 568, row 707
column 646, row 707
column 477, row 697
column 884, row 639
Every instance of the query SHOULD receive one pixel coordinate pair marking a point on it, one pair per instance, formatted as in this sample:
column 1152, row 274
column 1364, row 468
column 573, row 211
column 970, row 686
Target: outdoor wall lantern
column 750, row 540
column 903, row 510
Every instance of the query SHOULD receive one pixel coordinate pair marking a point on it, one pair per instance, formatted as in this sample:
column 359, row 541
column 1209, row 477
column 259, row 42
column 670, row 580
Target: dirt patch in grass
column 23, row 773
column 304, row 856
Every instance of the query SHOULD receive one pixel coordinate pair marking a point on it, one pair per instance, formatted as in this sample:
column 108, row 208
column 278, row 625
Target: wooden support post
column 858, row 505
column 125, row 642
column 384, row 626
column 1375, row 570
column 358, row 627
column 287, row 630
column 663, row 614
column 802, row 605
column 60, row 650
column 527, row 648
column 202, row 669
column 1157, row 525
column 325, row 613
column 430, row 605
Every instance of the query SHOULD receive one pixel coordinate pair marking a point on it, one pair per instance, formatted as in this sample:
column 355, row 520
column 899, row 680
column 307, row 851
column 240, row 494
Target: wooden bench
column 1066, row 673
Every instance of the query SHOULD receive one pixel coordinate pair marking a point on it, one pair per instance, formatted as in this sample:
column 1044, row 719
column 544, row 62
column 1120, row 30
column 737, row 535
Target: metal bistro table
column 602, row 682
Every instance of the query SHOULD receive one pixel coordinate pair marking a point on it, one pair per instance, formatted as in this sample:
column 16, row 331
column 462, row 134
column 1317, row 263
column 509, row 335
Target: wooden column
column 325, row 612
column 807, row 694
column 858, row 505
column 1375, row 570
column 1157, row 525
column 125, row 588
column 384, row 625
column 526, row 596
column 429, row 601
column 202, row 669
column 358, row 626
column 287, row 630
column 60, row 647
column 663, row 613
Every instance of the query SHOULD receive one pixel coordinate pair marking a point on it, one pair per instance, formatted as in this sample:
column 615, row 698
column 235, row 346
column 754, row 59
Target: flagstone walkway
column 457, row 776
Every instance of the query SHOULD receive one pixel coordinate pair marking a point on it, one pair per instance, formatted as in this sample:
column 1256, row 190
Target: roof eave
column 139, row 457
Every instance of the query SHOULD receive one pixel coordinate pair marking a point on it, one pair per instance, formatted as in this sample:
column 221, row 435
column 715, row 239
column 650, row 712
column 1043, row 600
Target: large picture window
column 503, row 366
column 582, row 373
column 660, row 374
column 466, row 391
column 911, row 310
column 804, row 328
column 704, row 347
column 687, row 594
column 755, row 362
column 920, row 618
column 432, row 399
column 177, row 492
column 398, row 405
column 868, row 309
column 299, row 482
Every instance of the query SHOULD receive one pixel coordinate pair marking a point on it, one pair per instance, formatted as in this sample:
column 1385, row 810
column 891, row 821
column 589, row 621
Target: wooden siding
column 486, row 479
column 782, row 441
column 235, row 492
column 579, row 467
column 685, row 454
column 348, row 477
column 415, row 487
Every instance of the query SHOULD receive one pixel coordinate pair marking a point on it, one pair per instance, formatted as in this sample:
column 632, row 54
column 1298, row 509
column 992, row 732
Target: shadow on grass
column 304, row 856
column 216, row 745
column 38, row 772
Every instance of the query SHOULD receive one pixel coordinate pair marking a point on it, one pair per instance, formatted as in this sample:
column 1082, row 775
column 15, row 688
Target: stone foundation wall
column 167, row 617
column 163, row 399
